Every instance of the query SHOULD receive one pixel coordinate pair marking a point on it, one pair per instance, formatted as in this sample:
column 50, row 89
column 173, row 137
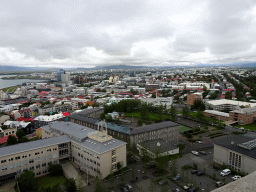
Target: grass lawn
column 50, row 180
column 193, row 114
column 183, row 128
column 152, row 116
column 12, row 88
column 251, row 126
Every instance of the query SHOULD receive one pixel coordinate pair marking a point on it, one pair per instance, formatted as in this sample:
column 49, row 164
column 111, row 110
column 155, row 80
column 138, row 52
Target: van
column 225, row 172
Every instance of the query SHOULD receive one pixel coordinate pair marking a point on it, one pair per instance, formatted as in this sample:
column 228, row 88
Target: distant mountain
column 10, row 69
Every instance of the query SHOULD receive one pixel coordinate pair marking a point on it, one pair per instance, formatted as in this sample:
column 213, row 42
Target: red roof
column 229, row 89
column 44, row 92
column 4, row 139
column 222, row 96
column 65, row 114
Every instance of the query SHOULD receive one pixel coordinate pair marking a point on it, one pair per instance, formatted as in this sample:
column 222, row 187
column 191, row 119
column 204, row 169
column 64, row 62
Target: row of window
column 38, row 166
column 87, row 165
column 85, row 151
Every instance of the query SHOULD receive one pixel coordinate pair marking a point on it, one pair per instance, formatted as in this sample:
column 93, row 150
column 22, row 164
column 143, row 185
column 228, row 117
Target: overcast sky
column 85, row 33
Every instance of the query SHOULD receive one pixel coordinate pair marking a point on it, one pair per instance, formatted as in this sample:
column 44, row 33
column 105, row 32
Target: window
column 31, row 160
column 49, row 150
column 98, row 164
column 44, row 165
column 43, row 158
column 4, row 168
column 49, row 156
column 18, row 164
column 24, row 170
column 11, row 166
column 32, row 168
column 16, row 158
column 114, row 167
column 55, row 162
column 38, row 166
column 11, row 159
column 24, row 156
column 37, row 153
column 113, row 159
column 37, row 159
column 3, row 161
column 38, row 173
column 24, row 163
column 44, row 172
column 113, row 152
column 49, row 162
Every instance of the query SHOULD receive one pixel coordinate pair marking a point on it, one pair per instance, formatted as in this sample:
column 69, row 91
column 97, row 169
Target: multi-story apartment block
column 168, row 130
column 192, row 97
column 243, row 116
column 93, row 150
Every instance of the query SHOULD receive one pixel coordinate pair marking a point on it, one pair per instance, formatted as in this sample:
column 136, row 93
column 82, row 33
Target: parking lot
column 203, row 162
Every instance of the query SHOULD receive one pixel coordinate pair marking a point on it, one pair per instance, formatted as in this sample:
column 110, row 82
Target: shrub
column 55, row 169
column 186, row 167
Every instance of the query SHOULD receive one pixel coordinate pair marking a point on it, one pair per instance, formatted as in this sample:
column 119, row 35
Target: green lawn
column 49, row 180
column 193, row 114
column 152, row 116
column 183, row 128
column 251, row 126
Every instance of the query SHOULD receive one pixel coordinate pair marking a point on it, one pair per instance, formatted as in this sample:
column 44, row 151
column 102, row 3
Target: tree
column 199, row 105
column 20, row 134
column 55, row 169
column 70, row 185
column 144, row 112
column 23, row 139
column 28, row 182
column 173, row 112
column 102, row 116
column 47, row 113
column 99, row 187
column 139, row 122
column 185, row 111
column 174, row 167
column 199, row 114
column 195, row 166
column 12, row 140
column 108, row 117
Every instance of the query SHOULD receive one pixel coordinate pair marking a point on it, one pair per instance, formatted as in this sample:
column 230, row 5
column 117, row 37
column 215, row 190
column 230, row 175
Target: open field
column 183, row 128
column 152, row 116
column 251, row 126
column 49, row 180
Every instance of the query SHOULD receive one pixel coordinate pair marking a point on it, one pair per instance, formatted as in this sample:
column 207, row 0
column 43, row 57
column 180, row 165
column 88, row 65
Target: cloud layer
column 152, row 32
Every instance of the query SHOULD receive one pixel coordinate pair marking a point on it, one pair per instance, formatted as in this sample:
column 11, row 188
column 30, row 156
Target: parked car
column 219, row 184
column 194, row 171
column 162, row 182
column 199, row 173
column 200, row 142
column 129, row 187
column 202, row 152
column 176, row 190
column 176, row 178
column 186, row 187
column 195, row 153
column 225, row 172
column 192, row 189
column 236, row 177
column 124, row 189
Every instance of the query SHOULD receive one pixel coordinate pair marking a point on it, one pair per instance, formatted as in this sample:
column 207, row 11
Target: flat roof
column 217, row 113
column 230, row 102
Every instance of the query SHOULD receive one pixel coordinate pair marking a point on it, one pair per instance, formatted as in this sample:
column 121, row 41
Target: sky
column 87, row 33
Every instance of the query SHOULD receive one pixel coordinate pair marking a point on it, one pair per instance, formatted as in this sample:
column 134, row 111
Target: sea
column 13, row 82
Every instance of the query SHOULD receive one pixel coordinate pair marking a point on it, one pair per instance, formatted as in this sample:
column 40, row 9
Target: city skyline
column 146, row 33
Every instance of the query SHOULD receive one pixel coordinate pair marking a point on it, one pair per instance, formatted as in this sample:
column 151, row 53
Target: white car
column 236, row 177
column 195, row 153
column 225, row 172
column 200, row 142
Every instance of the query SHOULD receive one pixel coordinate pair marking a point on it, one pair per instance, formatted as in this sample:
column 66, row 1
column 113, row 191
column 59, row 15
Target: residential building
column 192, row 97
column 216, row 115
column 243, row 116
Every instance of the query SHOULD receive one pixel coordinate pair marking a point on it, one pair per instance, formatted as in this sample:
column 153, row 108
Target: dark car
column 219, row 184
column 199, row 173
column 192, row 189
column 176, row 178
column 194, row 171
column 202, row 152
column 162, row 182
column 150, row 166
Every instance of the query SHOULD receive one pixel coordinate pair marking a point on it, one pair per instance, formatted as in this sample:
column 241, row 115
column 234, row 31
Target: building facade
column 61, row 141
column 192, row 97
